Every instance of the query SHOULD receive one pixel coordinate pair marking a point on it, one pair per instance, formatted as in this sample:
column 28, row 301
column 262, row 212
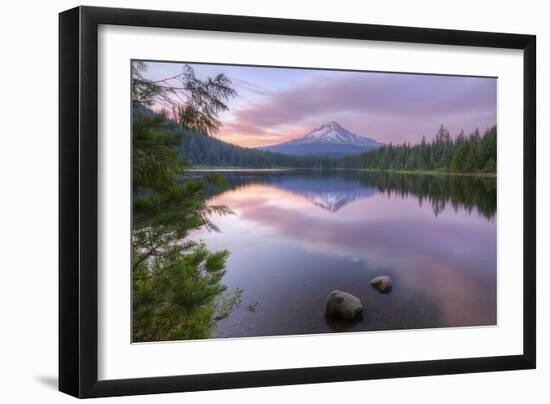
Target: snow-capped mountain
column 328, row 139
column 333, row 133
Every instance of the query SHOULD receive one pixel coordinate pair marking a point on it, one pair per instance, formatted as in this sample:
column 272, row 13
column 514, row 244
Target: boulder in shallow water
column 343, row 305
column 382, row 284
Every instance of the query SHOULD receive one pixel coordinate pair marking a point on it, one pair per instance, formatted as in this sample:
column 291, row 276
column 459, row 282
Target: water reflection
column 297, row 235
column 332, row 190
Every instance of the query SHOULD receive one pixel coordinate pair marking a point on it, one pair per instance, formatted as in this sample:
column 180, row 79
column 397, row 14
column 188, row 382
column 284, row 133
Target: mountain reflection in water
column 297, row 235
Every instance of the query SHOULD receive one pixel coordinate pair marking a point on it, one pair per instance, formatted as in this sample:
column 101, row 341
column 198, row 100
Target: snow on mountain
column 328, row 139
column 333, row 133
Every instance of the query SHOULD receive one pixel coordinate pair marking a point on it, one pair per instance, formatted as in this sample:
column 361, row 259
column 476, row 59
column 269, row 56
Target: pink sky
column 278, row 104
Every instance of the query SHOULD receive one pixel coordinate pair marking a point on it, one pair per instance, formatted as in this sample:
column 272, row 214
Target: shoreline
column 429, row 172
column 222, row 169
column 406, row 172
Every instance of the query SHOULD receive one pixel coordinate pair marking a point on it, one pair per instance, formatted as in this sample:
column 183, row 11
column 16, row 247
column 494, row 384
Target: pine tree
column 177, row 290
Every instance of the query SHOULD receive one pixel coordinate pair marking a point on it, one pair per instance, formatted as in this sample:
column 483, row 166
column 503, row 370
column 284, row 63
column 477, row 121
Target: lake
column 296, row 235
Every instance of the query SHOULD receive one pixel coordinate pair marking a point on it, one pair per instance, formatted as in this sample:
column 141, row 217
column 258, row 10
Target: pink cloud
column 388, row 107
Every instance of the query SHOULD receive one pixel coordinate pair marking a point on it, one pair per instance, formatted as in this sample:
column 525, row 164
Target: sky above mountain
column 275, row 105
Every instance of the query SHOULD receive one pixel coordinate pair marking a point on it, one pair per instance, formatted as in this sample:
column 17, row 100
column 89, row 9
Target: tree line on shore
column 473, row 153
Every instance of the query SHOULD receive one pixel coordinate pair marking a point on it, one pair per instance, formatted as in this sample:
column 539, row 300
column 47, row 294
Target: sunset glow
column 274, row 105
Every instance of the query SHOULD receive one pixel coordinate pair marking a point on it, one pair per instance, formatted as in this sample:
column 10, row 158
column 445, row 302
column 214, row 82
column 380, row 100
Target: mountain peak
column 331, row 124
column 329, row 138
column 333, row 133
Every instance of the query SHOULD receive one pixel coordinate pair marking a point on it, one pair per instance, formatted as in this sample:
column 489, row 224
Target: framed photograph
column 252, row 201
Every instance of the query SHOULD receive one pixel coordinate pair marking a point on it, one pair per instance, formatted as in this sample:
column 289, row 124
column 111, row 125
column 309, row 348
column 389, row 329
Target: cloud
column 383, row 105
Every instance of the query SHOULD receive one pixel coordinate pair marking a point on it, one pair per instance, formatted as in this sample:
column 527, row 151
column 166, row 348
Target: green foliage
column 189, row 101
column 204, row 101
column 177, row 290
column 227, row 303
column 465, row 154
column 209, row 151
column 144, row 92
column 490, row 166
column 253, row 307
column 175, row 293
column 155, row 159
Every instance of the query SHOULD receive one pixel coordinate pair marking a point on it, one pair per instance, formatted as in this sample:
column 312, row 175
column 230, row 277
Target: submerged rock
column 339, row 325
column 343, row 305
column 381, row 284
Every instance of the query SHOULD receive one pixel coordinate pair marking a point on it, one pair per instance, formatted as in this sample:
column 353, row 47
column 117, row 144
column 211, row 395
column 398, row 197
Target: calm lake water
column 297, row 235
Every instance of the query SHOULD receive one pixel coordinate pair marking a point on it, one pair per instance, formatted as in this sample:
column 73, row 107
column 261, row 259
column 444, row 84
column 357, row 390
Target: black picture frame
column 78, row 200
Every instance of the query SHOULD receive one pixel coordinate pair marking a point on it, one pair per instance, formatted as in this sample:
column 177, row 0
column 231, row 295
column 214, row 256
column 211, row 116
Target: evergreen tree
column 177, row 289
column 475, row 153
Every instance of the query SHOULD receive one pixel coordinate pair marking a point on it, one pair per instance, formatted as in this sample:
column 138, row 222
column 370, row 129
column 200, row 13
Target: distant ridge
column 330, row 139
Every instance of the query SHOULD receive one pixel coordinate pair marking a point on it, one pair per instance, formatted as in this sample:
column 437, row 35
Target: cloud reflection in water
column 296, row 237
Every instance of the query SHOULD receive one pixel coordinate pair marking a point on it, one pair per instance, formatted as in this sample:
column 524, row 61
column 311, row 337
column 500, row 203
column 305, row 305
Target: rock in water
column 343, row 305
column 381, row 284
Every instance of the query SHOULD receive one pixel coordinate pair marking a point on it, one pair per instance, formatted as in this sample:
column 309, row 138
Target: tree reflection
column 471, row 193
column 441, row 191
